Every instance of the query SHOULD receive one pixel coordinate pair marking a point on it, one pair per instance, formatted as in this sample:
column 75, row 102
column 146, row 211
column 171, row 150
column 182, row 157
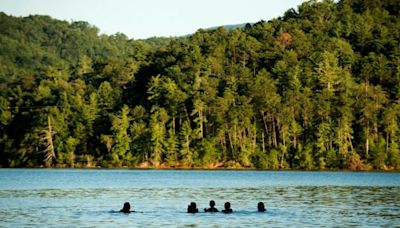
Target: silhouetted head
column 126, row 208
column 261, row 207
column 227, row 206
column 192, row 208
column 212, row 203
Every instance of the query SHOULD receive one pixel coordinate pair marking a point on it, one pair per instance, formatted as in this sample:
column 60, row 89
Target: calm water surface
column 91, row 198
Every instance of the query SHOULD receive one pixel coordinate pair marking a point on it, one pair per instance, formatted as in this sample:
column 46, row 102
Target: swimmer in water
column 227, row 208
column 212, row 207
column 192, row 208
column 261, row 207
column 126, row 208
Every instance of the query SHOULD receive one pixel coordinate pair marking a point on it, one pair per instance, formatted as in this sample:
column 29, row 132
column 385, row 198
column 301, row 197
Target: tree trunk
column 264, row 117
column 263, row 143
column 351, row 144
column 173, row 124
column 387, row 141
column 366, row 147
column 275, row 138
column 284, row 148
column 255, row 137
column 49, row 151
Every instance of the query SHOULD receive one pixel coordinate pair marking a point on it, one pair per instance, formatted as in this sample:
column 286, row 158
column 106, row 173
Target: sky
column 140, row 19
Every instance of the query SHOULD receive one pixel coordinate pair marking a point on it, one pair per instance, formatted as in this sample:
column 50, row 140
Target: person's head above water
column 192, row 208
column 261, row 207
column 212, row 203
column 126, row 208
column 227, row 208
column 212, row 207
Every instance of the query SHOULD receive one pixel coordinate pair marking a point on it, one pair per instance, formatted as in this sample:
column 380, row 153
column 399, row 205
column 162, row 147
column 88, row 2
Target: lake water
column 91, row 198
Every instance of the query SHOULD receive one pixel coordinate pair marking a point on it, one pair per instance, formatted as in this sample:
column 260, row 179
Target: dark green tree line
column 317, row 88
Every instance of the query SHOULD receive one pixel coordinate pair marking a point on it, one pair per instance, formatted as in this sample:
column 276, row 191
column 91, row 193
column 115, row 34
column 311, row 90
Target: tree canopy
column 318, row 88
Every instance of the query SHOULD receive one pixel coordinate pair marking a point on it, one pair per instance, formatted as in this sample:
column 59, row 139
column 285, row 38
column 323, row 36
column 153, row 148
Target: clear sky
column 146, row 18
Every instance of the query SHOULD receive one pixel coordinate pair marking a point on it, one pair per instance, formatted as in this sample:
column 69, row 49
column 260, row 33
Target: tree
column 372, row 101
column 317, row 88
column 120, row 152
column 49, row 153
column 198, row 113
column 139, row 133
column 187, row 153
column 158, row 120
column 172, row 148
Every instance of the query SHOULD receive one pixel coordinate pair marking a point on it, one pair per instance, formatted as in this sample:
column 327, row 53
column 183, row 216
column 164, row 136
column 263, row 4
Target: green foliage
column 188, row 155
column 260, row 160
column 306, row 158
column 210, row 156
column 273, row 162
column 121, row 140
column 171, row 148
column 158, row 120
column 317, row 88
column 394, row 156
column 378, row 154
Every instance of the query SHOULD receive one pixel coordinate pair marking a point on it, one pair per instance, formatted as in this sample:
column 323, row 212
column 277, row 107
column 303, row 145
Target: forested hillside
column 318, row 88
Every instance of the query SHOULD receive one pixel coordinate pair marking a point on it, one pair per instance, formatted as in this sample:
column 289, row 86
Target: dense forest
column 318, row 88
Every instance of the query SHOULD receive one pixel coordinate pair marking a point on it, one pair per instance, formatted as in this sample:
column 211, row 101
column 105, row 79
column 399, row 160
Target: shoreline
column 207, row 169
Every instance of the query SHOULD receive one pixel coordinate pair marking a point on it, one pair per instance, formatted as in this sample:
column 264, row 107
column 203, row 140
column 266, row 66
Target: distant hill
column 317, row 88
column 230, row 27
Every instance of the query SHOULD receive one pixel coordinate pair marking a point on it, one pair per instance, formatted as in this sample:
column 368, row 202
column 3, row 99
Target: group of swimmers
column 192, row 208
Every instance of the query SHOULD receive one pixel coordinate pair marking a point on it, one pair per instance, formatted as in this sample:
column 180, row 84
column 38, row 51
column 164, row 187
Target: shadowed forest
column 318, row 88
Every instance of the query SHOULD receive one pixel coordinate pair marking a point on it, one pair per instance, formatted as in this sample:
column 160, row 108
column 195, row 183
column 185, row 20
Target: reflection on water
column 161, row 198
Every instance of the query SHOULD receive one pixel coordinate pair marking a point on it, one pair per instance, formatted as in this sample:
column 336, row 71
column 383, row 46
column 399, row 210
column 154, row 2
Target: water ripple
column 289, row 205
